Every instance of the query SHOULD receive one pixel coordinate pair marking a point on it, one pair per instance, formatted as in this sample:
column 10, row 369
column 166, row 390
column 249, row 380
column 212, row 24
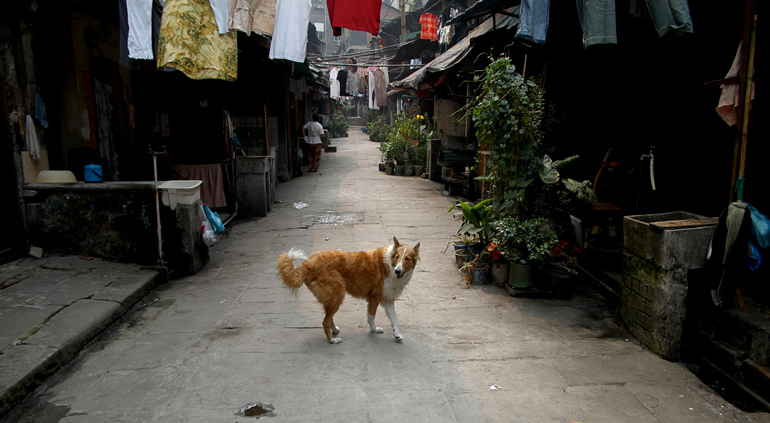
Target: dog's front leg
column 371, row 311
column 390, row 311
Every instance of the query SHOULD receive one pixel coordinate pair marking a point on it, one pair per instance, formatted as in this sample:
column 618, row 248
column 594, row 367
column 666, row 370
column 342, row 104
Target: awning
column 457, row 53
column 485, row 7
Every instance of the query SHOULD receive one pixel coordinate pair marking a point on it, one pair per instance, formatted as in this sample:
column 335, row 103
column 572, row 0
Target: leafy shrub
column 338, row 127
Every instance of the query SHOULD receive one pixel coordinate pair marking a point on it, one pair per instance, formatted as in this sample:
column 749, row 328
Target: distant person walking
column 313, row 131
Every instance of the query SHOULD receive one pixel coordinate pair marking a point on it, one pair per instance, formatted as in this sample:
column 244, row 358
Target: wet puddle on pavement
column 256, row 410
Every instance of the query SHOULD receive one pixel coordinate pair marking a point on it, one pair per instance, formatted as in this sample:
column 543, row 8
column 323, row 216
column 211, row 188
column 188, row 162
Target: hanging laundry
column 30, row 134
column 597, row 18
column 221, row 15
column 40, row 112
column 354, row 82
column 380, row 88
column 533, row 22
column 372, row 103
column 730, row 97
column 290, row 32
column 342, row 79
column 190, row 42
column 447, row 33
column 256, row 16
column 429, row 24
column 124, row 59
column 139, row 29
column 334, row 85
column 298, row 87
column 354, row 14
column 670, row 15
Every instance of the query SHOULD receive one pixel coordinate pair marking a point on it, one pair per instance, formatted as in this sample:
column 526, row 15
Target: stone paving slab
column 50, row 308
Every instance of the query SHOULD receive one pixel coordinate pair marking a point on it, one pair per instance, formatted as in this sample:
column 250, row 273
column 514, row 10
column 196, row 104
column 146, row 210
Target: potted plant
column 498, row 265
column 511, row 119
column 420, row 158
column 475, row 270
column 524, row 243
column 476, row 222
column 338, row 125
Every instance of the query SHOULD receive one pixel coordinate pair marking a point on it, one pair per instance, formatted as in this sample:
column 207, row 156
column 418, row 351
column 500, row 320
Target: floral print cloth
column 190, row 42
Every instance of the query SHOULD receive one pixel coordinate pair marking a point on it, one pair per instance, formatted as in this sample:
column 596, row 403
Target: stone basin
column 673, row 239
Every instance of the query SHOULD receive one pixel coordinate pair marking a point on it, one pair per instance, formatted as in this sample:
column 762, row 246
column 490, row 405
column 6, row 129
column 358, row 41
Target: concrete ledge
column 22, row 369
column 73, row 327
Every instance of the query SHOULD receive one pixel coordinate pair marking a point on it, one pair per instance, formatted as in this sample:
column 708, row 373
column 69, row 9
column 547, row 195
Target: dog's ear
column 416, row 249
column 396, row 244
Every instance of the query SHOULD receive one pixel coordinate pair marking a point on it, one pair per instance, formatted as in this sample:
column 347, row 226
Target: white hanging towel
column 31, row 135
column 139, row 29
column 290, row 34
column 221, row 15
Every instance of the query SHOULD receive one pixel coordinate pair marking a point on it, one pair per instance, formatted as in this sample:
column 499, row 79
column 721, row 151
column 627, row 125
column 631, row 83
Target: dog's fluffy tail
column 291, row 278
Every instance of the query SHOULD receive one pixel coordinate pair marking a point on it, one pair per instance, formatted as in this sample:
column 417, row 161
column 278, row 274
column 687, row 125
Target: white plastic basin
column 180, row 192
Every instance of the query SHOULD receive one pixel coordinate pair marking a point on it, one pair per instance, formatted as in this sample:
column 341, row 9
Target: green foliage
column 524, row 240
column 420, row 154
column 348, row 110
column 378, row 128
column 511, row 118
column 405, row 129
column 475, row 218
column 338, row 127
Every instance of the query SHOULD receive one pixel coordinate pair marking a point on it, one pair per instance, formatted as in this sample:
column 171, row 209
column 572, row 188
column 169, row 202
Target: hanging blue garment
column 40, row 113
column 760, row 227
column 670, row 15
column 533, row 22
column 597, row 19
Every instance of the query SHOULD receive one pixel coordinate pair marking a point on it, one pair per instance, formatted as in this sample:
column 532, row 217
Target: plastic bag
column 761, row 227
column 216, row 222
column 209, row 237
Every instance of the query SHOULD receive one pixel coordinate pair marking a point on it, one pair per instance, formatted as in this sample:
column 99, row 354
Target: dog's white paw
column 377, row 330
column 398, row 337
column 335, row 340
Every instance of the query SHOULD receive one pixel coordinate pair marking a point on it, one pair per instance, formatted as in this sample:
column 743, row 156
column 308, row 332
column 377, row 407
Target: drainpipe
column 157, row 202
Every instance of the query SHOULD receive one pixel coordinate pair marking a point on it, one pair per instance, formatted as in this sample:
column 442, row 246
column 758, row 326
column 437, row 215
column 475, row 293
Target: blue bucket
column 93, row 173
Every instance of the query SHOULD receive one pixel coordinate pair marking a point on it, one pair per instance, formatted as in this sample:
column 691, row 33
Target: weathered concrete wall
column 654, row 282
column 114, row 221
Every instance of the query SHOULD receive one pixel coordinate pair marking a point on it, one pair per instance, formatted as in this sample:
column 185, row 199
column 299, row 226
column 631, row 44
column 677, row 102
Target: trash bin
column 253, row 185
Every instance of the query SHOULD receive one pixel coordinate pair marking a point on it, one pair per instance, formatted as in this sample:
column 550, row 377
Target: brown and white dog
column 377, row 275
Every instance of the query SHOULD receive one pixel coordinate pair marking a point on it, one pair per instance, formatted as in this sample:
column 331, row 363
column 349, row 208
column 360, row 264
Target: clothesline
column 365, row 65
column 359, row 53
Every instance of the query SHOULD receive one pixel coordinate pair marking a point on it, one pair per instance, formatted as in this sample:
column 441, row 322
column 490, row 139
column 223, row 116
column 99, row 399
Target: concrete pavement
column 51, row 307
column 205, row 347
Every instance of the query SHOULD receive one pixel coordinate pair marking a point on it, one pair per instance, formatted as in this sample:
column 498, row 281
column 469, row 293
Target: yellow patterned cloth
column 190, row 42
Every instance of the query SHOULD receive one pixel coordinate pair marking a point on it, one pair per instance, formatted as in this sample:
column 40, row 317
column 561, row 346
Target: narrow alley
column 215, row 346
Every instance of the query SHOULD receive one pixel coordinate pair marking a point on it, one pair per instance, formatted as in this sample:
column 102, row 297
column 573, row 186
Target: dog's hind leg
column 328, row 322
column 335, row 328
column 370, row 312
column 390, row 311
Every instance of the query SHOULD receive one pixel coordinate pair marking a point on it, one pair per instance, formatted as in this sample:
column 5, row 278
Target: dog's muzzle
column 398, row 272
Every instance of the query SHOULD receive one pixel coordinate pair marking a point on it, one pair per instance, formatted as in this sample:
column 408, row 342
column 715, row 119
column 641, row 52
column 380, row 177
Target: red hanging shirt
column 358, row 15
column 429, row 24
